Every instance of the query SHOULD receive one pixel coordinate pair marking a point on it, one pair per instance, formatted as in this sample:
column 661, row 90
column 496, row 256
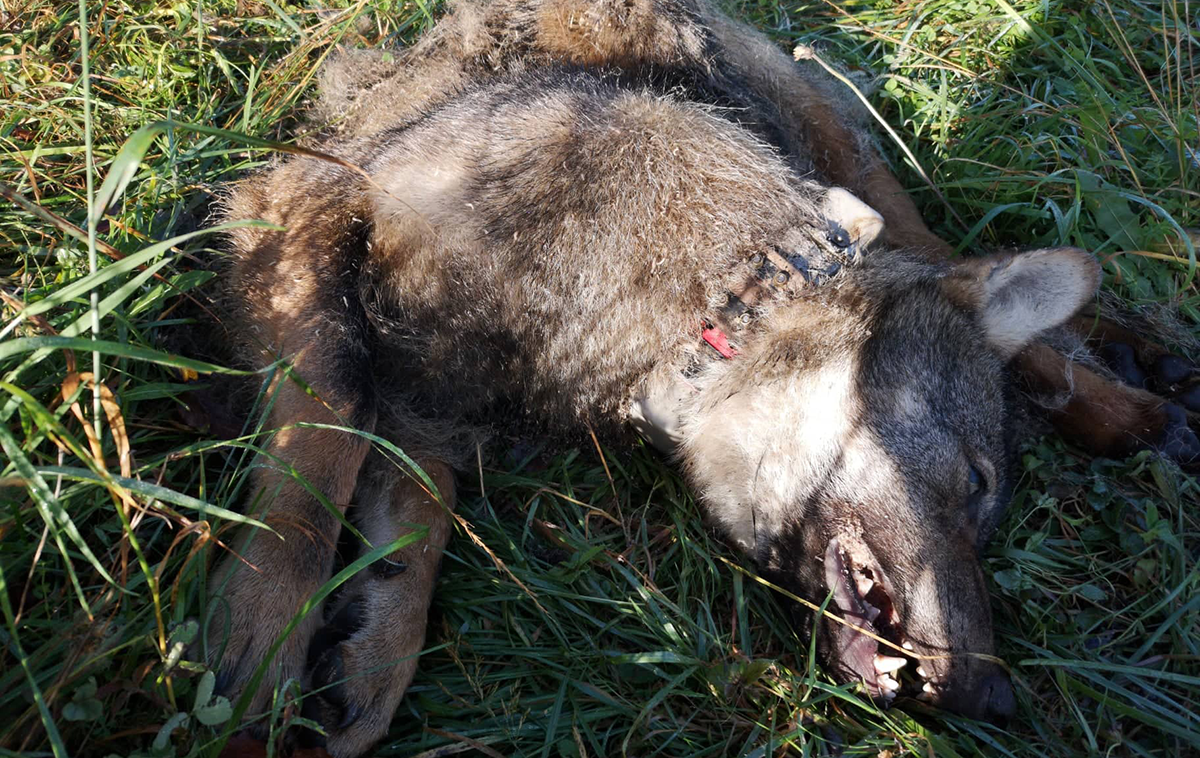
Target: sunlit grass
column 1041, row 123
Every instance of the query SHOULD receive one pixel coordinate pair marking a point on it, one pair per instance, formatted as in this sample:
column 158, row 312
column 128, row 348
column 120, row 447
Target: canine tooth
column 886, row 664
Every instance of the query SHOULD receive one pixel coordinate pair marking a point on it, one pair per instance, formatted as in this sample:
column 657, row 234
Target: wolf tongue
column 856, row 650
column 837, row 579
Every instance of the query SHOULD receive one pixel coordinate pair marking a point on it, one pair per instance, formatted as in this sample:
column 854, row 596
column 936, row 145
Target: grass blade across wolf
column 628, row 216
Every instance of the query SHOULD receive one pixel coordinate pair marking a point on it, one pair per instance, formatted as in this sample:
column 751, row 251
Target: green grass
column 1040, row 122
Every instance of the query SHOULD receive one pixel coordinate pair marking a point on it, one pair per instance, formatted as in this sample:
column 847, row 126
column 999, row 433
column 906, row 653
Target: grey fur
column 539, row 243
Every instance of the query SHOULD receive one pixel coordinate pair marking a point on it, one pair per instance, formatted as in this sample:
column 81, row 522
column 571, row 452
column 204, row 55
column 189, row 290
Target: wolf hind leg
column 268, row 578
column 362, row 661
column 294, row 292
column 817, row 125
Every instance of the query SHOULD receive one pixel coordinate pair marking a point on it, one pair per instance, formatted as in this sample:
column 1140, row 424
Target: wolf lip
column 862, row 594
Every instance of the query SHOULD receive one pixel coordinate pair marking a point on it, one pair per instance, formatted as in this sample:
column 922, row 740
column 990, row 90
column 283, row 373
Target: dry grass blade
column 1022, row 123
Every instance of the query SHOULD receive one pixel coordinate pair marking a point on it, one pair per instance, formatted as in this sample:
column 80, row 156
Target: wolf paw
column 1172, row 378
column 362, row 661
column 249, row 615
column 1179, row 440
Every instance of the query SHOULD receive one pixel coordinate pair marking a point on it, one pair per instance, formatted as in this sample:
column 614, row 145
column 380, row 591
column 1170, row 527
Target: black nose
column 998, row 702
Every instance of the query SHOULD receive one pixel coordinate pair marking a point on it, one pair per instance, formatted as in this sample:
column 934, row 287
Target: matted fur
column 560, row 192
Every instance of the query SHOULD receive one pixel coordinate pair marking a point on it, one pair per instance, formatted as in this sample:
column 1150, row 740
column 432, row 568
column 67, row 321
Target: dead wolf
column 637, row 214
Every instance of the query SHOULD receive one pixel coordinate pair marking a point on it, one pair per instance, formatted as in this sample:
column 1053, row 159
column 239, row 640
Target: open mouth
column 863, row 596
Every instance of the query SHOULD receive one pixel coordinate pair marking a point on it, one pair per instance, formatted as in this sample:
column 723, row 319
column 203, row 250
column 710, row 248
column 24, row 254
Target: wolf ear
column 1019, row 296
column 849, row 216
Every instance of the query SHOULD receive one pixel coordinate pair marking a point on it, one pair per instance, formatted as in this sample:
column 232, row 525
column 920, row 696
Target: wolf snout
column 993, row 700
column 984, row 692
column 999, row 699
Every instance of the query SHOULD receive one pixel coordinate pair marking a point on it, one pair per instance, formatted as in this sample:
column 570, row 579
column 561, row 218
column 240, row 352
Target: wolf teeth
column 921, row 672
column 886, row 664
column 906, row 645
column 926, row 693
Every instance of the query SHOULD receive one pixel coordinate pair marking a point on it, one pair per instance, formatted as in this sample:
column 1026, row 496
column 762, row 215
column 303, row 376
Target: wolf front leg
column 817, row 123
column 364, row 658
column 268, row 578
column 1108, row 417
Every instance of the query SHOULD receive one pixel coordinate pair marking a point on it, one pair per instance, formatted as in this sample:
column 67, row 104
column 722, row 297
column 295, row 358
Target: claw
column 327, row 671
column 350, row 714
column 223, row 679
column 347, row 621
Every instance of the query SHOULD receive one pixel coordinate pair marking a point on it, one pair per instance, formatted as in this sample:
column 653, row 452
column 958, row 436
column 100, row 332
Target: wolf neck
column 775, row 276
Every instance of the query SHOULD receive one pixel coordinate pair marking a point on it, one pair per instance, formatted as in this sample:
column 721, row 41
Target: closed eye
column 976, row 489
column 975, row 481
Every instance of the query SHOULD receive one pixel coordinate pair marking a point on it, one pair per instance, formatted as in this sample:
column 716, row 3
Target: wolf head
column 861, row 447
